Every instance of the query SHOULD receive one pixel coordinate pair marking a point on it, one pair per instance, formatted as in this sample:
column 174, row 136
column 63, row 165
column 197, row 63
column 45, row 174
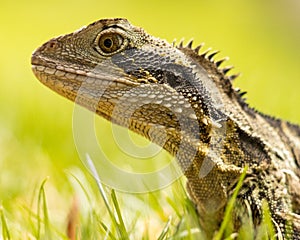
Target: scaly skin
column 141, row 82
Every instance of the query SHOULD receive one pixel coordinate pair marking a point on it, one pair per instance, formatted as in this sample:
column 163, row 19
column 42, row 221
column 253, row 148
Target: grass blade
column 165, row 230
column 42, row 204
column 230, row 205
column 5, row 231
column 121, row 224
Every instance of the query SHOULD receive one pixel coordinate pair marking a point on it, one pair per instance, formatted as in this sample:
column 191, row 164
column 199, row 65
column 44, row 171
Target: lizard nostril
column 52, row 45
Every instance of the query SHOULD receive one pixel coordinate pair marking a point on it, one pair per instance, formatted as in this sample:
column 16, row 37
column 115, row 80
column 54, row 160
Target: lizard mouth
column 48, row 71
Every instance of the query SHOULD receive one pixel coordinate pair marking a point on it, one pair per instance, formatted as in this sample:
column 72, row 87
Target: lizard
column 150, row 86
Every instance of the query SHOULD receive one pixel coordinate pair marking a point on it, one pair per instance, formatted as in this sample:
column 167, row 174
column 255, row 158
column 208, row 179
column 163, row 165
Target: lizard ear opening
column 110, row 42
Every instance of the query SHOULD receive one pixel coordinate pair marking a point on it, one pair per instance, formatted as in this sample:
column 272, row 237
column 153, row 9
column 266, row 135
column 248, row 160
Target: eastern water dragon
column 160, row 87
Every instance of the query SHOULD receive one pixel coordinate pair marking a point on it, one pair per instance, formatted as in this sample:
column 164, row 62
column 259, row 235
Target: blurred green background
column 261, row 37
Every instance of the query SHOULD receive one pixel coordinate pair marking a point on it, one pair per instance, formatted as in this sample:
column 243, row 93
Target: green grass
column 36, row 141
column 104, row 217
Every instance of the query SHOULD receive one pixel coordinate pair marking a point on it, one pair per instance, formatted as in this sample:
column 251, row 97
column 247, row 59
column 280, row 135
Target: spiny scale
column 211, row 55
column 219, row 62
column 225, row 70
column 197, row 49
column 190, row 43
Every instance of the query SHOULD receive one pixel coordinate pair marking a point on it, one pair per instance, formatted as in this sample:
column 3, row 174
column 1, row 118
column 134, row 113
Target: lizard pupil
column 108, row 43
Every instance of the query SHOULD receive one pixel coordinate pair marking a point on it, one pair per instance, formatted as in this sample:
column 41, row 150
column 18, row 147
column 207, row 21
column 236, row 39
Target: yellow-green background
column 261, row 37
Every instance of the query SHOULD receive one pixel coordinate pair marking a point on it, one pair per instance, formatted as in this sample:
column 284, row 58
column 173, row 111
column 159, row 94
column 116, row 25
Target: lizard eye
column 110, row 43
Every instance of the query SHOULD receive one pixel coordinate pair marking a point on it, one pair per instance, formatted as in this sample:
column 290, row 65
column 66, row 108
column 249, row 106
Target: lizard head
column 110, row 63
